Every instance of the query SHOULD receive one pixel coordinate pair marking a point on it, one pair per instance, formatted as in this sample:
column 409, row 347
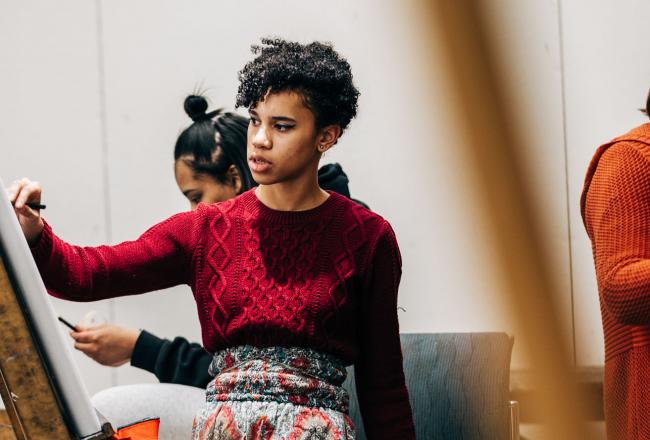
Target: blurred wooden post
column 494, row 151
column 26, row 391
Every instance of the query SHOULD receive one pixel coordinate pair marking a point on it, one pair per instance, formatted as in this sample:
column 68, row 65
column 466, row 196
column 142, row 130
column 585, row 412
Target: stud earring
column 321, row 148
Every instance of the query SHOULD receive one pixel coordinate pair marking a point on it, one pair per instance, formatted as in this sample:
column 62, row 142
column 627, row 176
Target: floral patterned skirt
column 274, row 393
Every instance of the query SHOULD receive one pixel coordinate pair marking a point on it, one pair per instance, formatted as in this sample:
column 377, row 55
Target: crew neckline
column 255, row 206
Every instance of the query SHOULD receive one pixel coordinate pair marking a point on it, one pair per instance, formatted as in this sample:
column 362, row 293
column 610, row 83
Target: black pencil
column 36, row 206
column 67, row 324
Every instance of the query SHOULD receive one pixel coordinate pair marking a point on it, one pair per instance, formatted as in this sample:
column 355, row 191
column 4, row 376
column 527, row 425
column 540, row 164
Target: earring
column 321, row 148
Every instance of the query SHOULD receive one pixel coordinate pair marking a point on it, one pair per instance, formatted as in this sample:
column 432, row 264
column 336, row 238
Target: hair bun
column 195, row 107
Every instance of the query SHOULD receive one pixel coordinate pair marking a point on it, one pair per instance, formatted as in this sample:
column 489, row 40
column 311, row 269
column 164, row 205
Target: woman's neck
column 292, row 195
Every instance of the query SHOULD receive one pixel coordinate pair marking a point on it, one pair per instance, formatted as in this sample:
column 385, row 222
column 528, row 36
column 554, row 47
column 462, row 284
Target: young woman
column 615, row 207
column 291, row 282
column 210, row 166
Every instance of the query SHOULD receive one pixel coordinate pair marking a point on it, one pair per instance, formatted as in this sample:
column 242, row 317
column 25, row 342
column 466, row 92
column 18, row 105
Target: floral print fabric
column 275, row 393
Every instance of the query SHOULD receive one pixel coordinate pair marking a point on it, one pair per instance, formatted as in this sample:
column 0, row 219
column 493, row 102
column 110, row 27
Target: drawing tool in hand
column 67, row 324
column 35, row 206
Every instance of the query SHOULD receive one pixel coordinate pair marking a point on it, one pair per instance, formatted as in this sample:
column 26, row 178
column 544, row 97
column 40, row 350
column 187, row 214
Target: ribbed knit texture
column 616, row 211
column 325, row 278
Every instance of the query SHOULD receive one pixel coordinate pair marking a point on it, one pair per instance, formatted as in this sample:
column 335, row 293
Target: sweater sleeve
column 379, row 373
column 158, row 259
column 617, row 214
column 177, row 361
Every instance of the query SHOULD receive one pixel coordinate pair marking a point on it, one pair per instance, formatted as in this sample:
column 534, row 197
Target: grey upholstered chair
column 458, row 385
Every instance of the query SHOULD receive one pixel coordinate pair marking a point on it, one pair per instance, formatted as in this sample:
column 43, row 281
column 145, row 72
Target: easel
column 28, row 394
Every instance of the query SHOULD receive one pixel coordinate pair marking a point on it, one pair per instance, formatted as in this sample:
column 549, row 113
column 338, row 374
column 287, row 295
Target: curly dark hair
column 315, row 70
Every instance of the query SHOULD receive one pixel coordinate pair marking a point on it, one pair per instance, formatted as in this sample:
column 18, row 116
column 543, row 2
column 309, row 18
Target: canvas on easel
column 39, row 381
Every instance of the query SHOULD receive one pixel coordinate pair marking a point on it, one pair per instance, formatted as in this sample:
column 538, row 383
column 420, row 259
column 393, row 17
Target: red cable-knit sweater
column 616, row 211
column 324, row 278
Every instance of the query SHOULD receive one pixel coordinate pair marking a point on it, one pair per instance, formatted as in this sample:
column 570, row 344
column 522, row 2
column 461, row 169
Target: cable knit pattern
column 279, row 271
column 324, row 279
column 219, row 257
column 616, row 211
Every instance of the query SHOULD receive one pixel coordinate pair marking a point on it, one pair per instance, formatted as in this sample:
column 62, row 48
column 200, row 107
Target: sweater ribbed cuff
column 146, row 350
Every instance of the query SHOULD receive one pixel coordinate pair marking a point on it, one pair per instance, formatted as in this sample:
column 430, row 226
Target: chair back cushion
column 458, row 385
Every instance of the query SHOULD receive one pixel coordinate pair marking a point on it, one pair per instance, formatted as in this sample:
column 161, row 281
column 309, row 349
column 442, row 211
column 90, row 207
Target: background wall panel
column 51, row 127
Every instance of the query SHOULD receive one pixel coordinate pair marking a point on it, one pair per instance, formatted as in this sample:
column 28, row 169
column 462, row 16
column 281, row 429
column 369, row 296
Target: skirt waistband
column 296, row 375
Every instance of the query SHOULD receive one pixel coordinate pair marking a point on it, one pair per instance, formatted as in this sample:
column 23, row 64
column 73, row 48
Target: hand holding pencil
column 25, row 196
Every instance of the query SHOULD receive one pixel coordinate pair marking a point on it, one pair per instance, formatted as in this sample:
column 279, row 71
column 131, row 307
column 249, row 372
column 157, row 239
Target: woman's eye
column 254, row 122
column 282, row 127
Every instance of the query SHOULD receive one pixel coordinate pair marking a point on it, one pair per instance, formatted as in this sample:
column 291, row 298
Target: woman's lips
column 258, row 164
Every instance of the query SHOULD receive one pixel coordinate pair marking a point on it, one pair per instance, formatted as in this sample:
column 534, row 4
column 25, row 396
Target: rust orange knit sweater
column 615, row 208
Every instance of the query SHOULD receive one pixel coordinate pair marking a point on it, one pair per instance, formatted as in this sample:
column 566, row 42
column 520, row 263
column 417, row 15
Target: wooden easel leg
column 25, row 387
column 18, row 430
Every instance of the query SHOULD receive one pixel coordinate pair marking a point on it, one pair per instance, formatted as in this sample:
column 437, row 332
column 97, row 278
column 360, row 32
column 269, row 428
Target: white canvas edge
column 61, row 364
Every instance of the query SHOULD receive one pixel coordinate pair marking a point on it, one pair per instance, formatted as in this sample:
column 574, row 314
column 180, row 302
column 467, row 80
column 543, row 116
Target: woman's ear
column 328, row 136
column 234, row 178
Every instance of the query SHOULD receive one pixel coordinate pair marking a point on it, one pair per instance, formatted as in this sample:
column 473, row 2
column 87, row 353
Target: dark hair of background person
column 316, row 71
column 215, row 141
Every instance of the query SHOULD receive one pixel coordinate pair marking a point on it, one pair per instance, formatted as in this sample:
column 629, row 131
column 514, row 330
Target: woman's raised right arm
column 159, row 258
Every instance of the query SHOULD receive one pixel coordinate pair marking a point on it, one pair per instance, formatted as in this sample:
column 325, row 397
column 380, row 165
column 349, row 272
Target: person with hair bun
column 211, row 151
column 292, row 282
column 615, row 206
column 210, row 166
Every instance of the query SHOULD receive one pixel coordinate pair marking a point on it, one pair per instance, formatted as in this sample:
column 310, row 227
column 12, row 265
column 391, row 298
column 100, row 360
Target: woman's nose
column 260, row 138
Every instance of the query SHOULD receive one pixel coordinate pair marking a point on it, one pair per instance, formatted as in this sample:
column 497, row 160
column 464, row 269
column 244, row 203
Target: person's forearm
column 177, row 361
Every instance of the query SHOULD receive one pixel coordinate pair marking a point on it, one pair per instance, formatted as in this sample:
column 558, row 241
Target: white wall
column 51, row 125
column 527, row 47
column 92, row 103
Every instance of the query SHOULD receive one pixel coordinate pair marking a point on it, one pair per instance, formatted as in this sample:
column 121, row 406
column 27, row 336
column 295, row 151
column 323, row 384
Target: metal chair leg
column 514, row 420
